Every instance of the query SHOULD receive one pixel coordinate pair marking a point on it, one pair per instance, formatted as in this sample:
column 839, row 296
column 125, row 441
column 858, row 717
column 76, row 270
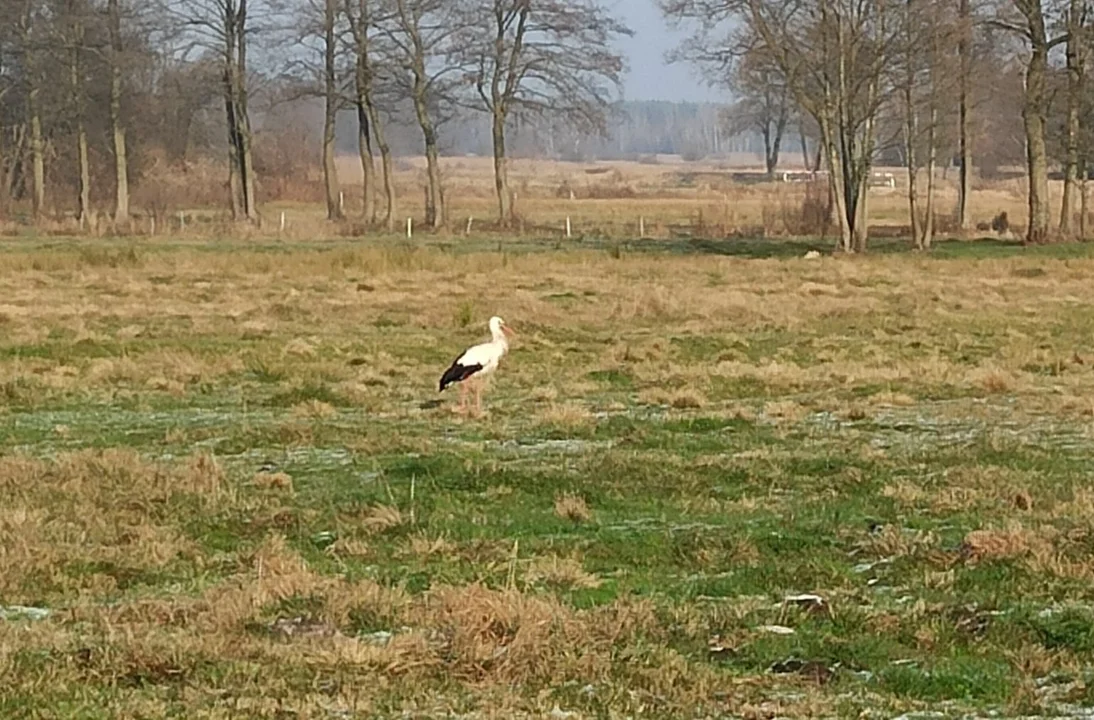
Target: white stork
column 476, row 363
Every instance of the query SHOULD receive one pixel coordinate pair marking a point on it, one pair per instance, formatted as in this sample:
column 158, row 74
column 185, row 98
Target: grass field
column 228, row 487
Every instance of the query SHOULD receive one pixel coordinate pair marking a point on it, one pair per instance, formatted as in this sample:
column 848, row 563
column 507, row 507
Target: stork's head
column 499, row 329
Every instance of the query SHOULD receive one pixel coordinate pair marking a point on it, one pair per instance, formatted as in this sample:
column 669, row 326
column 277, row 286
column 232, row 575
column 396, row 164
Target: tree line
column 637, row 130
column 85, row 83
column 917, row 80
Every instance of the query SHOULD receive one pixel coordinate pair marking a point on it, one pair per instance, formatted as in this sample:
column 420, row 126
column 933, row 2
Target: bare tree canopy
column 548, row 58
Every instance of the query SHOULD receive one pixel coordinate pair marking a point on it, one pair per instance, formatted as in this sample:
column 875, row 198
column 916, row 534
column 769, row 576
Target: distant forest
column 641, row 128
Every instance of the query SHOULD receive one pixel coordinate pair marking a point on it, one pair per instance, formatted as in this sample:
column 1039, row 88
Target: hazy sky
column 651, row 77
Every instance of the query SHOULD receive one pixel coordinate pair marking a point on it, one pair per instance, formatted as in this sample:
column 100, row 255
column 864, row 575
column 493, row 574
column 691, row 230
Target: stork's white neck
column 498, row 337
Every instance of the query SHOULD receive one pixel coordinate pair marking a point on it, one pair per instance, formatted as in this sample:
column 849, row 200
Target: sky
column 651, row 77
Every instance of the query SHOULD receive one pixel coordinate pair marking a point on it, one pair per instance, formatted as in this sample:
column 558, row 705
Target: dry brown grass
column 571, row 416
column 383, row 517
column 680, row 399
column 572, row 507
column 314, row 409
column 1009, row 542
column 559, row 573
column 278, row 480
column 93, row 509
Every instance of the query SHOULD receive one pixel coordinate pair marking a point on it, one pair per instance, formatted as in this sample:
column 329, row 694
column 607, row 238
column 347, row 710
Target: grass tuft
column 573, row 508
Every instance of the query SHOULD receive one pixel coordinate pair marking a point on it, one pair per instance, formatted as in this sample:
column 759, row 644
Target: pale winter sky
column 651, row 77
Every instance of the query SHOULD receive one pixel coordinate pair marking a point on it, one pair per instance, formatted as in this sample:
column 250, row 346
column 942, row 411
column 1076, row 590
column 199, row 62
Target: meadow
column 714, row 479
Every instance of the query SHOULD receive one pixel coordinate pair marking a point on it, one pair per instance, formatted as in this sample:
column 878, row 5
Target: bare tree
column 926, row 87
column 738, row 62
column 8, row 84
column 1085, row 147
column 835, row 55
column 362, row 19
column 910, row 90
column 332, row 102
column 422, row 33
column 765, row 104
column 1031, row 26
column 70, row 29
column 235, row 93
column 1077, row 52
column 28, row 28
column 964, row 51
column 115, row 57
column 225, row 27
column 551, row 57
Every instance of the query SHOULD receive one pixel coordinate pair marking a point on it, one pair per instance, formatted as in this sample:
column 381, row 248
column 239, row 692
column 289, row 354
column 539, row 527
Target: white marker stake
column 341, row 202
column 282, row 228
column 153, row 223
column 409, row 228
column 568, row 232
column 641, row 227
column 182, row 220
column 469, row 221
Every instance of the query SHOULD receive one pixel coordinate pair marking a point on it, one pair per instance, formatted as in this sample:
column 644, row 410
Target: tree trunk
column 7, row 171
column 911, row 130
column 805, row 150
column 836, row 182
column 121, row 154
column 331, row 102
column 37, row 154
column 117, row 125
column 932, row 161
column 501, row 169
column 1033, row 115
column 862, row 215
column 964, row 187
column 235, row 193
column 247, row 175
column 17, row 170
column 5, row 175
column 932, row 137
column 1074, row 102
column 246, row 169
column 34, row 121
column 772, row 148
column 388, row 167
column 368, row 117
column 862, row 161
column 84, row 195
column 330, row 170
column 434, row 212
column 1083, row 198
column 85, row 175
column 368, row 167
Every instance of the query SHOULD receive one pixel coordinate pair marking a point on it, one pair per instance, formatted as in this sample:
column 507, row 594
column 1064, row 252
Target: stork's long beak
column 508, row 330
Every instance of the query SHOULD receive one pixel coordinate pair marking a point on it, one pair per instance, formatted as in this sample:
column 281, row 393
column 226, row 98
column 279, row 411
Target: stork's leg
column 463, row 398
column 478, row 398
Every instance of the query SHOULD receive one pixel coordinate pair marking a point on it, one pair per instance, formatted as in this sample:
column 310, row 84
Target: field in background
column 672, row 196
column 662, row 195
column 231, row 490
